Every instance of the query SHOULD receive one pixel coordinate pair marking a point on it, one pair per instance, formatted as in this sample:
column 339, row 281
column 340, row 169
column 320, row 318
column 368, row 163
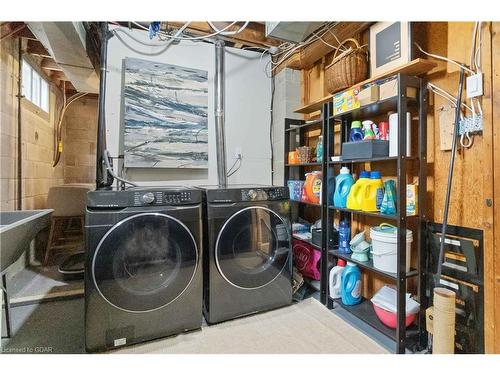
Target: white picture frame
column 390, row 46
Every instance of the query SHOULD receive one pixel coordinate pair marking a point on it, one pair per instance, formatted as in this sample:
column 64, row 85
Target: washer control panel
column 142, row 197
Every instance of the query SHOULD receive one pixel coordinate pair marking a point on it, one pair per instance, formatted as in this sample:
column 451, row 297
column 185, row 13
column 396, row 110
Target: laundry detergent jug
column 335, row 283
column 374, row 193
column 343, row 184
column 312, row 187
column 351, row 285
column 356, row 194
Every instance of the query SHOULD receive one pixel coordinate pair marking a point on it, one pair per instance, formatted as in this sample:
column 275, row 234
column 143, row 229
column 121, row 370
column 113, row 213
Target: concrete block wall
column 287, row 98
column 79, row 141
column 38, row 129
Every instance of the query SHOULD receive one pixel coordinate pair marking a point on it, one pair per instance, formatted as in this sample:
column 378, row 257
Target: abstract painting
column 165, row 115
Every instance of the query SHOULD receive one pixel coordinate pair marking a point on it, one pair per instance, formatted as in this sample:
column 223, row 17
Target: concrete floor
column 58, row 327
column 50, row 327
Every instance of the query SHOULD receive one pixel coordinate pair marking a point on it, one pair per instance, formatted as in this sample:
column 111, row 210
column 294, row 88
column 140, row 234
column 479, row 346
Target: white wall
column 286, row 100
column 247, row 102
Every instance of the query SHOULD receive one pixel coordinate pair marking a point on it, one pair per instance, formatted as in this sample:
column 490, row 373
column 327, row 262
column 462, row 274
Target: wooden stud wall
column 475, row 168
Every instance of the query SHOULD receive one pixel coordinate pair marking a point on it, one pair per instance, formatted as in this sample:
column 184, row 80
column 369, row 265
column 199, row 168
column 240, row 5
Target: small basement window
column 35, row 87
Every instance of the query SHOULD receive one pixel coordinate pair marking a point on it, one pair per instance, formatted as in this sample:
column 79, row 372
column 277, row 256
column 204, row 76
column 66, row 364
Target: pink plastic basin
column 390, row 319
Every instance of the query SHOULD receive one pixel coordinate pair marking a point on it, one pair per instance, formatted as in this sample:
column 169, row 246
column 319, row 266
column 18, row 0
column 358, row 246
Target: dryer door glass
column 145, row 262
column 252, row 248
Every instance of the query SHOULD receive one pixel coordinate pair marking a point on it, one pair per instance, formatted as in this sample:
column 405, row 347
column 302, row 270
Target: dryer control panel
column 264, row 194
column 247, row 194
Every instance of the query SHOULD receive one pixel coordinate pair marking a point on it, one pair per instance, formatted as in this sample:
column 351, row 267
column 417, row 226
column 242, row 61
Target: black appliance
column 143, row 272
column 248, row 257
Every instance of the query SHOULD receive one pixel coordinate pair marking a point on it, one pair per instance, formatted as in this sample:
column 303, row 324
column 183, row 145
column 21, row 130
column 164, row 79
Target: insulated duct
column 220, row 142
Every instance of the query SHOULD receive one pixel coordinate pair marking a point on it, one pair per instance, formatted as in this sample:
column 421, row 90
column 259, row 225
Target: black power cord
column 271, row 129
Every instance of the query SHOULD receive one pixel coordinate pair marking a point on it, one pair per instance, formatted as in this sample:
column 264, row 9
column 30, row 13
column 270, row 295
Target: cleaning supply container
column 343, row 184
column 335, row 284
column 351, row 285
column 312, row 186
column 384, row 247
column 367, row 130
column 374, row 193
column 319, row 149
column 356, row 134
column 357, row 192
column 388, row 206
column 344, row 237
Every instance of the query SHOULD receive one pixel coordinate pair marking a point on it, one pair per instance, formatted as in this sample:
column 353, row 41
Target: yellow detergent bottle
column 374, row 193
column 357, row 192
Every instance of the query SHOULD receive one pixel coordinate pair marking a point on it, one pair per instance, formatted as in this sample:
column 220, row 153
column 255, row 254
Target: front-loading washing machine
column 143, row 270
column 248, row 254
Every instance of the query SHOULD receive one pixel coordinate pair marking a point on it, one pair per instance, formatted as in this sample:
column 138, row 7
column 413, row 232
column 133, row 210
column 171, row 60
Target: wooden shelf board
column 413, row 68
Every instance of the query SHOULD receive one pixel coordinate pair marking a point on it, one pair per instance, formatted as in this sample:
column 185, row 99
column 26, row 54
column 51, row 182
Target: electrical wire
column 109, row 168
column 66, row 104
column 201, row 37
column 163, row 45
column 230, row 173
column 221, row 32
column 444, row 59
column 439, row 91
column 271, row 125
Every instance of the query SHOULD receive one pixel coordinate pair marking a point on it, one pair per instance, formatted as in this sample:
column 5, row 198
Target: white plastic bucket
column 384, row 248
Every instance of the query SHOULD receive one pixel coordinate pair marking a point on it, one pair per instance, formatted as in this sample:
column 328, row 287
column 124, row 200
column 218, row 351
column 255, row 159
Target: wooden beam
column 58, row 75
column 50, row 64
column 253, row 35
column 310, row 54
column 492, row 284
column 11, row 29
column 35, row 47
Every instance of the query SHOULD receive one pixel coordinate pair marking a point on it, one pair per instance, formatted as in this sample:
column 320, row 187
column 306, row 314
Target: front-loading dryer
column 143, row 270
column 248, row 256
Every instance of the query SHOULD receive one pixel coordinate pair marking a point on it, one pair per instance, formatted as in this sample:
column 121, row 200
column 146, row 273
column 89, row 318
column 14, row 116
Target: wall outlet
column 237, row 153
column 475, row 85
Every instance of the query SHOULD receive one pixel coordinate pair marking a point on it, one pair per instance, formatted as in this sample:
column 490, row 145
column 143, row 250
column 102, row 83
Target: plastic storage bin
column 384, row 247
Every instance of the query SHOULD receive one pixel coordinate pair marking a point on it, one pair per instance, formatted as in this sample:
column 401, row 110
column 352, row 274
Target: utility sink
column 17, row 230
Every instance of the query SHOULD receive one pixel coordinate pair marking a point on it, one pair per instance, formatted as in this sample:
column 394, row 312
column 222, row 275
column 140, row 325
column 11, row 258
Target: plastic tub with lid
column 384, row 247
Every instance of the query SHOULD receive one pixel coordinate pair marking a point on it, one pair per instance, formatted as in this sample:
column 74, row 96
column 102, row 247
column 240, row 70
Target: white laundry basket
column 384, row 247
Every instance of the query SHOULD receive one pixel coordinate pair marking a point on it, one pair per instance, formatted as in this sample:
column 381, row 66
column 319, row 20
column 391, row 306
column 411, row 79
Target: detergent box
column 346, row 101
column 411, row 199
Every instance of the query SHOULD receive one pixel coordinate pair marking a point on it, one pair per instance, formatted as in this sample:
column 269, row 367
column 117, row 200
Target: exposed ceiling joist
column 307, row 56
column 59, row 75
column 35, row 47
column 253, row 35
column 50, row 64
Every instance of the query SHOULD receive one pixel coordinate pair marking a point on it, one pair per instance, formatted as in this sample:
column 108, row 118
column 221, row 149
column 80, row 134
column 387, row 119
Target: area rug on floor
column 303, row 328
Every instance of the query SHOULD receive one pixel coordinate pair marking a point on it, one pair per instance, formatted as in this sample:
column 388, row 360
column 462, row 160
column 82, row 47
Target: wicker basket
column 346, row 69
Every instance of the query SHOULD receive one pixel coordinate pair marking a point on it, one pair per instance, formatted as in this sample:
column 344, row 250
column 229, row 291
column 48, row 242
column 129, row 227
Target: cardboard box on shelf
column 411, row 199
column 389, row 89
column 368, row 95
column 346, row 101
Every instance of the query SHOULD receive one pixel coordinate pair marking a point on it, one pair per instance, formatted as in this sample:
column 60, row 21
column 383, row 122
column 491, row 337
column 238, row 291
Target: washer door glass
column 252, row 247
column 145, row 262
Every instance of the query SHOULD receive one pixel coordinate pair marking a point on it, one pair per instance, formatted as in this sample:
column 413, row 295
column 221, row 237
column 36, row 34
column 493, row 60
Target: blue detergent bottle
column 343, row 183
column 344, row 237
column 351, row 285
